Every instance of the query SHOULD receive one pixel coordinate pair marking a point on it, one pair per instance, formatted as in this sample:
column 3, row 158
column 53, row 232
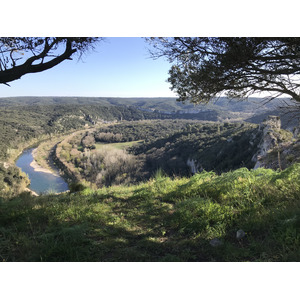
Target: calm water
column 40, row 182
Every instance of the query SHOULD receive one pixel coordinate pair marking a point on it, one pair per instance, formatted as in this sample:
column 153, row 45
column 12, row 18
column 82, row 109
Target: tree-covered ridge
column 22, row 123
column 24, row 118
column 28, row 120
column 162, row 104
column 142, row 130
column 25, row 125
column 218, row 147
column 169, row 144
column 133, row 151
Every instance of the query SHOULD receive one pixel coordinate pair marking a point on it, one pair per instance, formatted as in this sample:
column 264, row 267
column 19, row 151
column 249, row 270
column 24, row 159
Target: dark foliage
column 168, row 145
column 205, row 67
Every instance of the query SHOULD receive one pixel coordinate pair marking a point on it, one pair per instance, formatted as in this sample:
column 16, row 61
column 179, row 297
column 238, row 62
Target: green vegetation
column 12, row 181
column 133, row 151
column 169, row 144
column 163, row 219
column 149, row 206
column 99, row 165
column 233, row 66
column 26, row 121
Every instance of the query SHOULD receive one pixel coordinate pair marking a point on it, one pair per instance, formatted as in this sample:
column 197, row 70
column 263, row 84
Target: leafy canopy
column 205, row 67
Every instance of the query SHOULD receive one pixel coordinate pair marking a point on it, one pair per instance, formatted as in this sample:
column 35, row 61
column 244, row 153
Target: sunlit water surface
column 41, row 182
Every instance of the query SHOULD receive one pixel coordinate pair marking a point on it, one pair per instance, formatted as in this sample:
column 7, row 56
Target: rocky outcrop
column 278, row 148
column 193, row 165
column 270, row 130
column 33, row 193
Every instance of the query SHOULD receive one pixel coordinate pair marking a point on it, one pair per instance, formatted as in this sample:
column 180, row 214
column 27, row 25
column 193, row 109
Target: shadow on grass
column 32, row 230
column 153, row 222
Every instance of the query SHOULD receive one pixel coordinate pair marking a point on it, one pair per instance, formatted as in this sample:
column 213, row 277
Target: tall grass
column 162, row 219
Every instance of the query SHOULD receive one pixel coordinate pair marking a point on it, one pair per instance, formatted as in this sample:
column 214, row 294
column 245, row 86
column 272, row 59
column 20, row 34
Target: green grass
column 163, row 219
column 120, row 146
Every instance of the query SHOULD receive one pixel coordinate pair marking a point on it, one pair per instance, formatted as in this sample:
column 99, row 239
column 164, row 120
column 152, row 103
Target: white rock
column 215, row 242
column 240, row 234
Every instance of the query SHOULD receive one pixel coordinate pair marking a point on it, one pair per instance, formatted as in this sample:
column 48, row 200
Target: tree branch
column 27, row 67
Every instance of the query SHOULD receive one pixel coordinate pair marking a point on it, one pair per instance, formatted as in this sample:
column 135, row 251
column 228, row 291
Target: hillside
column 25, row 121
column 132, row 151
column 224, row 213
column 237, row 216
column 222, row 107
column 28, row 121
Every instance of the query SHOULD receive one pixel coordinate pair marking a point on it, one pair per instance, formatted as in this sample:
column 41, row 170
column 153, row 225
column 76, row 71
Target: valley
column 149, row 180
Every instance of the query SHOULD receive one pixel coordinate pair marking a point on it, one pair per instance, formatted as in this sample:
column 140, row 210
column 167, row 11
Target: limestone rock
column 240, row 234
column 270, row 128
column 215, row 242
column 193, row 165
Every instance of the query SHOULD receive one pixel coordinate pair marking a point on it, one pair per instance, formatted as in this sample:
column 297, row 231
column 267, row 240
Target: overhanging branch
column 27, row 67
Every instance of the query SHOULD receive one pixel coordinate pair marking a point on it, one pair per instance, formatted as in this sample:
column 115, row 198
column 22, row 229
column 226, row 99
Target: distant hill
column 222, row 109
column 289, row 120
column 163, row 104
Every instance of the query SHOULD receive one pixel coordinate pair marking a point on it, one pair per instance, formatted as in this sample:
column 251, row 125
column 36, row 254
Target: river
column 41, row 182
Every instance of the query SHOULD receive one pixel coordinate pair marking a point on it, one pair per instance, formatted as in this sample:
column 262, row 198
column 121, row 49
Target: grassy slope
column 163, row 219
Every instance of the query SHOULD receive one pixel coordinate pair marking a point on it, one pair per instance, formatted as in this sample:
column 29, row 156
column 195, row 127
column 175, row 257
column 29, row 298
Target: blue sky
column 119, row 67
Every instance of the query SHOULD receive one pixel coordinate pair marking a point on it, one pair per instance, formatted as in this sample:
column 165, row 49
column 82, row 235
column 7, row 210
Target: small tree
column 88, row 141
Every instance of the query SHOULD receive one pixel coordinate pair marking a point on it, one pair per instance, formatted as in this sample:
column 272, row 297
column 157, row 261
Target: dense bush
column 169, row 144
column 112, row 166
column 12, row 181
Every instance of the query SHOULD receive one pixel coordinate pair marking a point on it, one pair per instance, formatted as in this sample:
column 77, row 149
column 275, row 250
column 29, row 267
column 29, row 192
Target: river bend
column 40, row 182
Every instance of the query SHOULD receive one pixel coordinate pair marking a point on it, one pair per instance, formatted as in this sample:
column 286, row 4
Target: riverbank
column 38, row 168
column 46, row 172
column 33, row 193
